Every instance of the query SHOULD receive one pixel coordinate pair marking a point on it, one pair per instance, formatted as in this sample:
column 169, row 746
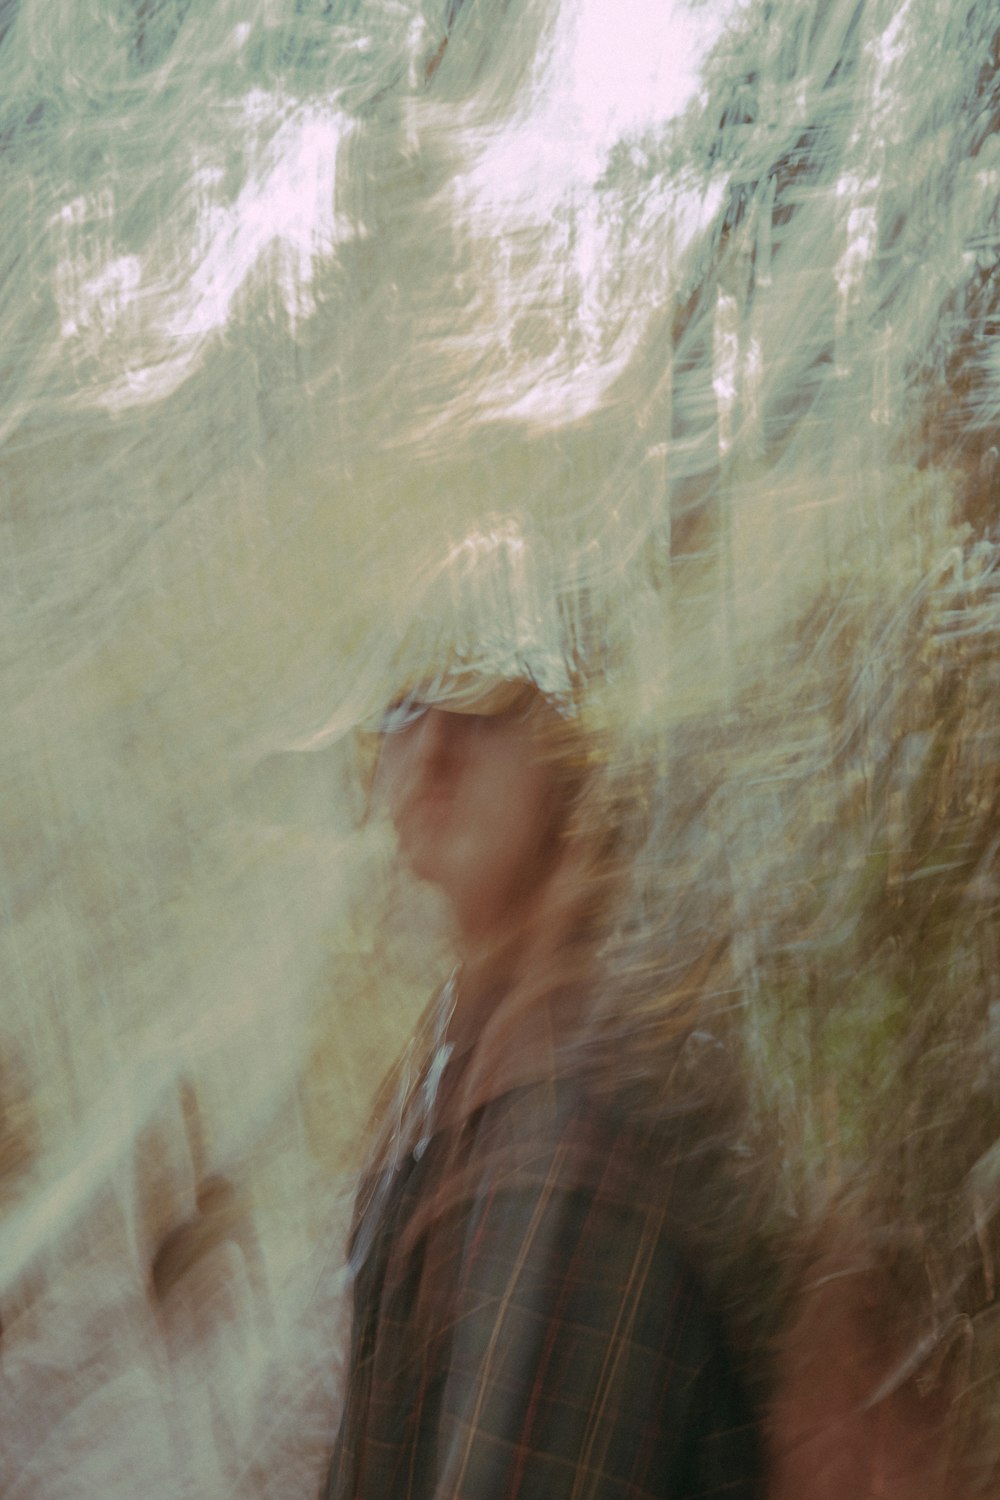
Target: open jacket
column 526, row 1324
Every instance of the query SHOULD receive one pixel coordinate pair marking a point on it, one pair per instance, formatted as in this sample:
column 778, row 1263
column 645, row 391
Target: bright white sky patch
column 624, row 65
column 619, row 66
column 282, row 215
column 639, row 60
column 286, row 205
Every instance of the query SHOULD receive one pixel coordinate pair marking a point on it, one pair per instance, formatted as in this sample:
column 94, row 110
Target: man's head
column 477, row 795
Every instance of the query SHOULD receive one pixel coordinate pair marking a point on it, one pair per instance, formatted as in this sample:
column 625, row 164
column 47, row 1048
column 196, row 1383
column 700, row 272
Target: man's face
column 473, row 804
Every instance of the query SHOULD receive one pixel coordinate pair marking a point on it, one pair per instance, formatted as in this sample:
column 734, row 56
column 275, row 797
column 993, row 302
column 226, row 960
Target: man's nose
column 434, row 749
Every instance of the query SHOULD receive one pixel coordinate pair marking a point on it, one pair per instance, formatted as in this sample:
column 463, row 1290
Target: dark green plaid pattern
column 526, row 1328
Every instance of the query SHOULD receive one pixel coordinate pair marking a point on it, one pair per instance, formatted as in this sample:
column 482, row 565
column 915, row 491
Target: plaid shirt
column 525, row 1326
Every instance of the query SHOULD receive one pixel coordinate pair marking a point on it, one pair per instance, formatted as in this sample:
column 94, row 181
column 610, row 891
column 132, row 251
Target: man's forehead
column 469, row 692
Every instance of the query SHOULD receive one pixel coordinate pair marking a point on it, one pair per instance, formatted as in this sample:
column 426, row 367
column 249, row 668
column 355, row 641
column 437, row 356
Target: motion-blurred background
column 692, row 307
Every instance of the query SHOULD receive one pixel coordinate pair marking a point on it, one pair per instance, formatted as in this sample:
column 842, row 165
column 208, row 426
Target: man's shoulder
column 561, row 1131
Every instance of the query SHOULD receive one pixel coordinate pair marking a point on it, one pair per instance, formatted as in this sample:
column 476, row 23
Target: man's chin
column 423, row 862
